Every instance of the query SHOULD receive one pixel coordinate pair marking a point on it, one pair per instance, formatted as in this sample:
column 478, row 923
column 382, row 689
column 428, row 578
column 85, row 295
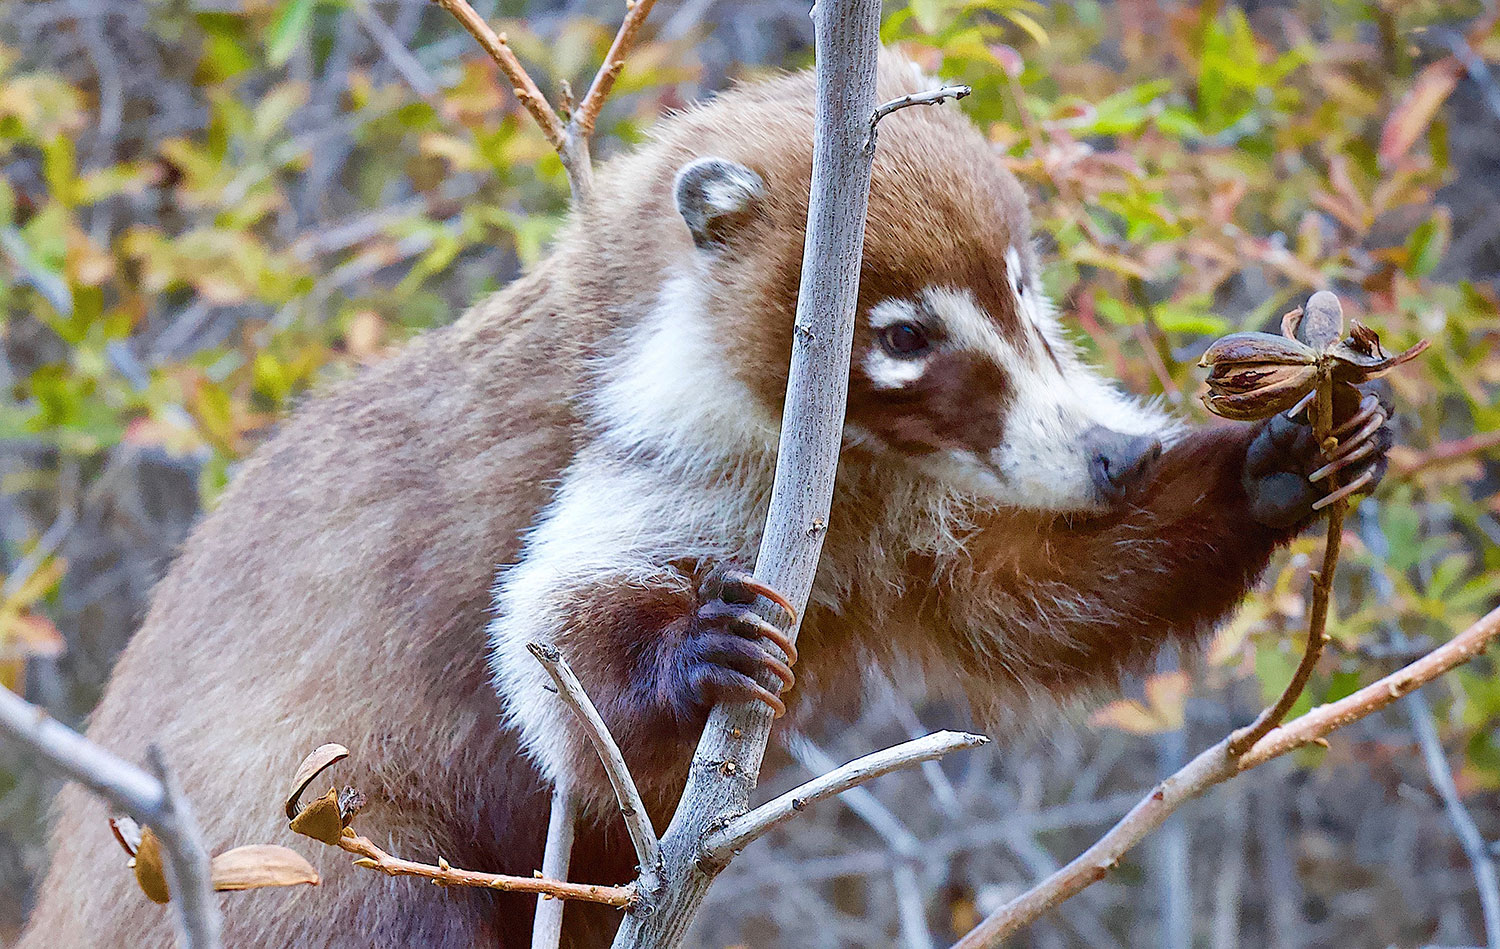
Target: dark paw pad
column 723, row 648
column 1289, row 478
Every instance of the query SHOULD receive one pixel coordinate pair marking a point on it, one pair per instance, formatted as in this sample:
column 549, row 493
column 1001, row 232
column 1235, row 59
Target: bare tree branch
column 862, row 801
column 930, row 97
column 728, row 759
column 637, row 821
column 546, row 926
column 738, row 833
column 570, row 139
column 614, row 61
column 155, row 802
column 372, row 857
column 521, row 82
column 1217, row 765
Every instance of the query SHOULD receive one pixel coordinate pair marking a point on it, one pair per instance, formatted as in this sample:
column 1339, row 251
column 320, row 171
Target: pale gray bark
column 546, row 925
column 637, row 821
column 729, row 755
column 151, row 799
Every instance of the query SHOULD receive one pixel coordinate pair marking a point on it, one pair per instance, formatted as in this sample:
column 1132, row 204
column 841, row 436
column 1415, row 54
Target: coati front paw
column 1286, row 473
column 720, row 650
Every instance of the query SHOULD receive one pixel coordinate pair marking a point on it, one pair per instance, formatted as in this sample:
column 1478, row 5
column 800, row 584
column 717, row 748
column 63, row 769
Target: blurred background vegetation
column 210, row 207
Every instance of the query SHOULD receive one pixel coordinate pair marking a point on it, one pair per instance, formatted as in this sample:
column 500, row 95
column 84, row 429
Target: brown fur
column 340, row 590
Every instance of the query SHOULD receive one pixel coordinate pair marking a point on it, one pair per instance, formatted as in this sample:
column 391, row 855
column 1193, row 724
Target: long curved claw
column 1369, row 406
column 748, row 583
column 1360, row 437
column 1343, row 461
column 750, row 624
column 1301, row 405
column 781, row 670
column 758, row 691
column 1348, row 489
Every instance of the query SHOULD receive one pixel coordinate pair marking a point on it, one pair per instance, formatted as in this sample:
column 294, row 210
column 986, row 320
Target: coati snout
column 1119, row 462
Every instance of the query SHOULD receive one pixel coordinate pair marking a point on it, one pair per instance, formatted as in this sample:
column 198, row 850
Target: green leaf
column 1427, row 245
column 286, row 33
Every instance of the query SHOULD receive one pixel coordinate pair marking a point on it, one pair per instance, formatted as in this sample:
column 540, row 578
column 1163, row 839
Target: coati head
column 959, row 366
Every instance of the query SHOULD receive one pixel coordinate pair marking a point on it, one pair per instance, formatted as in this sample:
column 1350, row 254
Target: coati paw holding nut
column 1287, row 476
column 721, row 650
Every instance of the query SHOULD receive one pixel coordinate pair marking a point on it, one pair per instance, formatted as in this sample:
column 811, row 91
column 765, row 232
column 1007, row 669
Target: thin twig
column 372, row 857
column 738, row 833
column 1322, row 590
column 942, row 789
column 637, row 821
column 1214, row 766
column 546, row 926
column 521, row 82
column 570, row 139
column 151, row 801
column 930, row 97
column 911, row 898
column 188, row 866
column 862, row 801
column 614, row 62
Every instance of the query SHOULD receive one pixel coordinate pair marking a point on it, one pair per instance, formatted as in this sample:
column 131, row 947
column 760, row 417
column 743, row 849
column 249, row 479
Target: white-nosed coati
column 585, row 457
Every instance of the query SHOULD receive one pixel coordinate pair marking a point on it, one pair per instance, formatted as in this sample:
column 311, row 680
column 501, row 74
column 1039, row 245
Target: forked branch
column 729, row 754
column 327, row 821
column 151, row 799
column 570, row 138
column 637, row 821
column 930, row 97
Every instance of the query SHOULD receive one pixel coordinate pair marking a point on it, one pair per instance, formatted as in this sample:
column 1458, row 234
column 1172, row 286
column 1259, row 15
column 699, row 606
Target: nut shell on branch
column 1255, row 375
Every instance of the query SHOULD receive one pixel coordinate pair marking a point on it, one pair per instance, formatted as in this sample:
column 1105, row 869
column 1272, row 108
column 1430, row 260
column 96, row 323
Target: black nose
column 1118, row 461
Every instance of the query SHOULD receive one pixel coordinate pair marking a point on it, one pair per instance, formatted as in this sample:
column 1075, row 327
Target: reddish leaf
column 1416, row 109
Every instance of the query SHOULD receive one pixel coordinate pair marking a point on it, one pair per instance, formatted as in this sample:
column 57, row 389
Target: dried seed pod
column 1256, row 375
column 1322, row 321
column 261, row 865
column 1360, row 358
column 321, row 758
column 321, row 819
column 149, row 871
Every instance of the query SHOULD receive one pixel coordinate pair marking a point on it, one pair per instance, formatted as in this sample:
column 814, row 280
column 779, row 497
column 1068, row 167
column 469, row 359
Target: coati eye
column 903, row 339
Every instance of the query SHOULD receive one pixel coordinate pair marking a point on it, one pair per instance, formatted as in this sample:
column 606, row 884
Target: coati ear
column 714, row 196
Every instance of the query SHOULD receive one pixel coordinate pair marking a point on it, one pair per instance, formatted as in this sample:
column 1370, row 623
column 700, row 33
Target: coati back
column 585, row 459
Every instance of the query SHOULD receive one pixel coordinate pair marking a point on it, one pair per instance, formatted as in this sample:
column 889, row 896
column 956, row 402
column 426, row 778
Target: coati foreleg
column 628, row 574
column 1106, row 592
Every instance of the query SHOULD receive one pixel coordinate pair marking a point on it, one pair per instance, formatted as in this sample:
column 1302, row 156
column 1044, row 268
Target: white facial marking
column 1042, row 461
column 887, row 371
